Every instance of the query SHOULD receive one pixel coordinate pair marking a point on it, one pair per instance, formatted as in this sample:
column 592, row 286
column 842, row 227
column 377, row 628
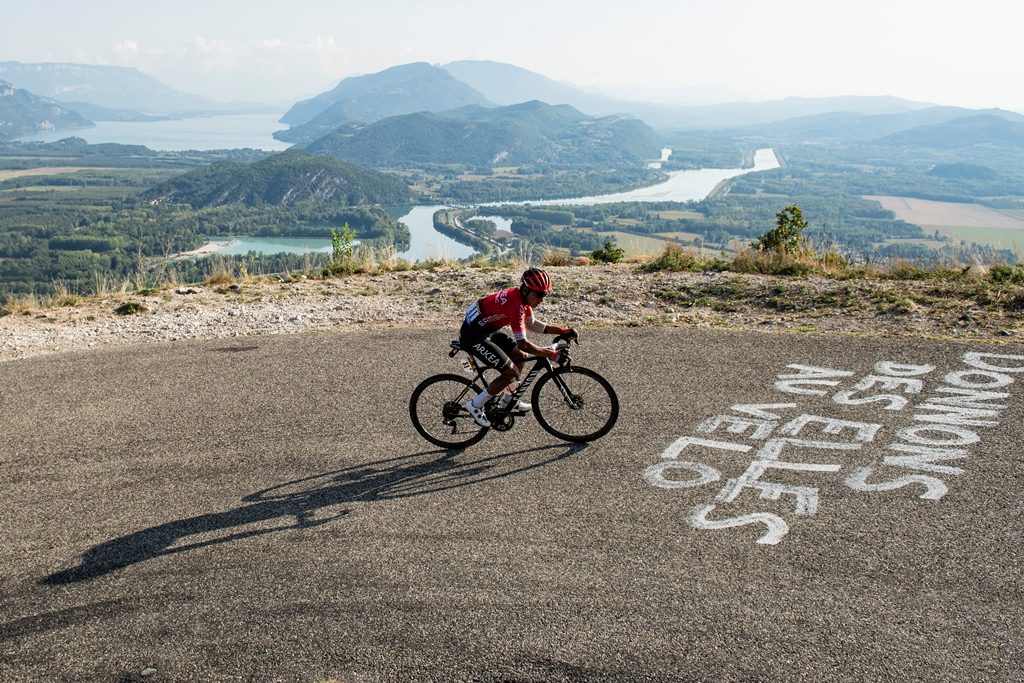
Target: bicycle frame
column 540, row 364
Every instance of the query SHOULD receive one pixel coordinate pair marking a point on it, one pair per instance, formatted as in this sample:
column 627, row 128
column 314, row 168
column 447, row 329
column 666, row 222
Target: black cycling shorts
column 492, row 350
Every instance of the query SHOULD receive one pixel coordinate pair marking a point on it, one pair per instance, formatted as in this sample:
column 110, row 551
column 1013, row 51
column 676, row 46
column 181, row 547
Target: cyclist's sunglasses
column 537, row 294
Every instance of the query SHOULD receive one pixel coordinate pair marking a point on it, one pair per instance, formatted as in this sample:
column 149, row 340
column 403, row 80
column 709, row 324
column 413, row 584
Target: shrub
column 905, row 270
column 1005, row 274
column 556, row 258
column 673, row 258
column 130, row 308
column 801, row 262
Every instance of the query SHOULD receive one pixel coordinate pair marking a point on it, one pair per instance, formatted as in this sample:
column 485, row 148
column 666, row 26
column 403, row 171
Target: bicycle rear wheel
column 437, row 413
column 575, row 404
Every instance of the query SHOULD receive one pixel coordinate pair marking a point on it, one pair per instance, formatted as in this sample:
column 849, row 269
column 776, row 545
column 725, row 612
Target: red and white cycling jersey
column 502, row 308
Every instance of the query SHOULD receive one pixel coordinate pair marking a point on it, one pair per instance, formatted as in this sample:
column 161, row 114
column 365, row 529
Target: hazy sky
column 968, row 53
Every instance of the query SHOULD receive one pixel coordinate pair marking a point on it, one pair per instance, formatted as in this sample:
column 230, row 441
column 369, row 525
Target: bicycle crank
column 501, row 420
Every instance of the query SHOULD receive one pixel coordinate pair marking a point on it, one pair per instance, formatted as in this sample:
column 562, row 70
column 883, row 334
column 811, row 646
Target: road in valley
column 768, row 507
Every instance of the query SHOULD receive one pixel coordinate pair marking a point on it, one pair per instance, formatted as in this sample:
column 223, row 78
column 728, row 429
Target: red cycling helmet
column 537, row 280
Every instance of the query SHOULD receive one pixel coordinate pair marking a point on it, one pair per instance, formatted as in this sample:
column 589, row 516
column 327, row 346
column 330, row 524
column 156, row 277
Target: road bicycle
column 571, row 402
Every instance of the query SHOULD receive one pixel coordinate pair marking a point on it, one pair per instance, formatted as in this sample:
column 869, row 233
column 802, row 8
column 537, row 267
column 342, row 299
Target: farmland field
column 51, row 170
column 676, row 215
column 1001, row 238
column 637, row 245
column 678, row 235
column 967, row 222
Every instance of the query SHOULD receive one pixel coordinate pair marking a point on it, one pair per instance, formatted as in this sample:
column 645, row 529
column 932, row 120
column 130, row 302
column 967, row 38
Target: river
column 681, row 186
column 426, row 243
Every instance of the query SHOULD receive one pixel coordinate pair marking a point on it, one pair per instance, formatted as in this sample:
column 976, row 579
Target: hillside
column 588, row 297
column 24, row 113
column 528, row 133
column 283, row 179
column 848, row 126
column 968, row 131
column 399, row 90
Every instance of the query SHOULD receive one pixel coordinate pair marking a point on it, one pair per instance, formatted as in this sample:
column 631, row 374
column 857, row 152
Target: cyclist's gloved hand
column 560, row 356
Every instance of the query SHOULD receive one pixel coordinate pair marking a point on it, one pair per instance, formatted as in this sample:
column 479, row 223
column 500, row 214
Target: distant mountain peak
column 399, row 90
column 113, row 87
column 24, row 113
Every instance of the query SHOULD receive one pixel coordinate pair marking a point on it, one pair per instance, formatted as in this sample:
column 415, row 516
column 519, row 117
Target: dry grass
column 45, row 171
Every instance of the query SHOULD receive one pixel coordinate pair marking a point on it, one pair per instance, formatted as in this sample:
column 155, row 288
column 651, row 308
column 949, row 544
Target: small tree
column 609, row 253
column 788, row 233
column 341, row 243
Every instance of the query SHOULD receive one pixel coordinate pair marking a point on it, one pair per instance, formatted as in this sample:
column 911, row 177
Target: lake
column 272, row 245
column 202, row 133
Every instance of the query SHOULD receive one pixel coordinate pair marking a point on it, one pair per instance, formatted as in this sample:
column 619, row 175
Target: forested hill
column 527, row 133
column 23, row 113
column 399, row 90
column 285, row 179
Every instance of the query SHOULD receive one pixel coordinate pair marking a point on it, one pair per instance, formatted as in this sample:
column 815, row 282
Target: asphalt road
column 262, row 509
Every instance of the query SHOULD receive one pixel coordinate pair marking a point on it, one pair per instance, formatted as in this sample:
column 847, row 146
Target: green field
column 677, row 235
column 1001, row 238
column 676, row 215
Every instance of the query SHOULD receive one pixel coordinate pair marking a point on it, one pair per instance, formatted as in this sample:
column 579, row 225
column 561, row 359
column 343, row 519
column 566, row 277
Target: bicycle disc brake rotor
column 450, row 411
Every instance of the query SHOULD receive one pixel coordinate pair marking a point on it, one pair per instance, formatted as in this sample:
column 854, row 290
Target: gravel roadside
column 613, row 295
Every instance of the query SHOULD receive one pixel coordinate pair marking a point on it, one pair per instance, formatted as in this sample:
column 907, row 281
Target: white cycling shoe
column 520, row 407
column 478, row 414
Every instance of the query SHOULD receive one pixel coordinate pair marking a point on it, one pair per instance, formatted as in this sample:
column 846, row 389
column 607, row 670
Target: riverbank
column 587, row 297
column 208, row 249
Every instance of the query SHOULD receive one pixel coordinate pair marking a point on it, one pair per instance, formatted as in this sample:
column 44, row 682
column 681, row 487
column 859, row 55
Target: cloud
column 222, row 69
column 125, row 52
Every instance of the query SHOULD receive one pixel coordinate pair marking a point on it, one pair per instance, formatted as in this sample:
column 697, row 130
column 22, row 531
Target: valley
column 896, row 180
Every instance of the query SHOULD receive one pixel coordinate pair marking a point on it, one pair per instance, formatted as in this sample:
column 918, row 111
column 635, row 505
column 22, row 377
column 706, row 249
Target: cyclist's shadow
column 297, row 502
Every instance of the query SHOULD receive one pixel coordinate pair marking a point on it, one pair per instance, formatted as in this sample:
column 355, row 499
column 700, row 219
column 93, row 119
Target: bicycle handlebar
column 567, row 338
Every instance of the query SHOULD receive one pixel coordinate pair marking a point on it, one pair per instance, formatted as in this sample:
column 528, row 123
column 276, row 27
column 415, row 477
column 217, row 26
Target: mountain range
column 112, row 92
column 416, row 87
column 508, row 84
column 364, row 99
column 41, row 96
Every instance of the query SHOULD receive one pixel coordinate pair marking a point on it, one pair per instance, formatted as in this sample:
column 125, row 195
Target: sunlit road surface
column 768, row 507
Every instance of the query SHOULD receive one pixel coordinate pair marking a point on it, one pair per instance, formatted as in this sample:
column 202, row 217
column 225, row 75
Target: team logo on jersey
column 502, row 297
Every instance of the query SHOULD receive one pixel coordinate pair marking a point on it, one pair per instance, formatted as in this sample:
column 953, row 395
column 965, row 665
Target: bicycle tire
column 555, row 413
column 435, row 408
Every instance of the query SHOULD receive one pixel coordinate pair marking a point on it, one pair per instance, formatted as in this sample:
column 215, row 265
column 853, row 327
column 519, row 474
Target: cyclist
column 481, row 335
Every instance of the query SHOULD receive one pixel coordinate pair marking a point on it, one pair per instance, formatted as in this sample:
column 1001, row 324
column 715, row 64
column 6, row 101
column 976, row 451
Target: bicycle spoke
column 437, row 412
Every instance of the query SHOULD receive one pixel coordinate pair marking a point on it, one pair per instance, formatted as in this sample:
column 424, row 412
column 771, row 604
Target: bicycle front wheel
column 575, row 404
column 437, row 413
